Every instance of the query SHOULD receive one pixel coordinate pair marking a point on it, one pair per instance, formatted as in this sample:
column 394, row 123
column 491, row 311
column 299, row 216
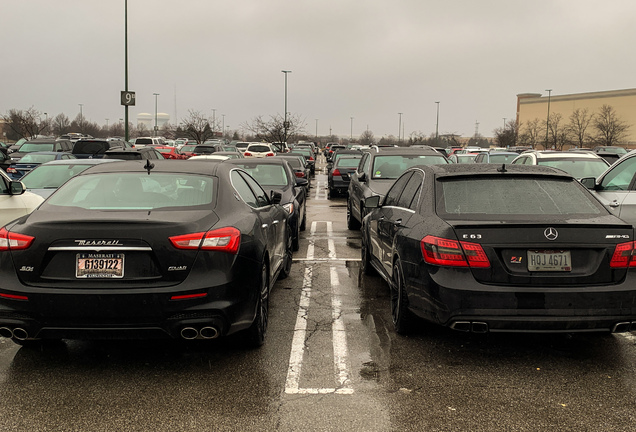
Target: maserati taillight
column 225, row 239
column 14, row 241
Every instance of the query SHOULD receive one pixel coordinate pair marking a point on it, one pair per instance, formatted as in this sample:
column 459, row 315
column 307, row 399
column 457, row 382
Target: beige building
column 532, row 106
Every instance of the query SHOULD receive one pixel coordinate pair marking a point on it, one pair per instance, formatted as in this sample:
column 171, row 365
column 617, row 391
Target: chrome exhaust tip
column 6, row 332
column 621, row 327
column 209, row 333
column 463, row 326
column 189, row 333
column 479, row 327
column 20, row 334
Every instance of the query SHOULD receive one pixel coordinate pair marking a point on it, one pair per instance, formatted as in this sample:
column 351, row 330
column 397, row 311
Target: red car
column 170, row 152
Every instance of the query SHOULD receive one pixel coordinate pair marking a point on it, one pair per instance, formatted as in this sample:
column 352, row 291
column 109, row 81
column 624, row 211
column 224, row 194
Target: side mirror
column 275, row 197
column 372, row 201
column 589, row 182
column 362, row 177
column 301, row 181
column 16, row 188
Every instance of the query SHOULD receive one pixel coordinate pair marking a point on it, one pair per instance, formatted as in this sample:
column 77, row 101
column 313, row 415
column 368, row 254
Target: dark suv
column 134, row 154
column 378, row 169
column 95, row 148
column 40, row 145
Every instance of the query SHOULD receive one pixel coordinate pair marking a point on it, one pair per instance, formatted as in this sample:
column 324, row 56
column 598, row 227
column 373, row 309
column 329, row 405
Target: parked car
column 15, row 201
column 95, row 148
column 332, row 149
column 280, row 147
column 610, row 149
column 146, row 141
column 31, row 160
column 147, row 152
column 309, row 155
column 259, row 150
column 339, row 177
column 274, row 174
column 42, row 144
column 170, row 152
column 578, row 164
column 616, row 188
column 462, row 158
column 301, row 169
column 342, row 153
column 44, row 179
column 187, row 149
column 376, row 172
column 5, row 161
column 203, row 149
column 176, row 249
column 231, row 154
column 497, row 157
column 480, row 248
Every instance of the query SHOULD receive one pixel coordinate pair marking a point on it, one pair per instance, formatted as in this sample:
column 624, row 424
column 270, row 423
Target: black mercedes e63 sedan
column 487, row 248
column 137, row 249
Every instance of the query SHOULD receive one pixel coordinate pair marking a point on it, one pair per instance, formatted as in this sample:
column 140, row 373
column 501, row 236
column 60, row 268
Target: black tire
column 332, row 193
column 303, row 224
column 352, row 223
column 289, row 256
column 365, row 264
column 296, row 239
column 400, row 314
column 255, row 335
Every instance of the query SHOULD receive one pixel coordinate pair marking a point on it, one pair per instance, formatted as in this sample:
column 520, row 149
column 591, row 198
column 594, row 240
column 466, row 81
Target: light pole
column 126, row 131
column 213, row 121
column 316, row 128
column 547, row 122
column 285, row 124
column 504, row 128
column 46, row 125
column 399, row 127
column 223, row 128
column 437, row 124
column 81, row 119
column 156, row 96
column 351, row 133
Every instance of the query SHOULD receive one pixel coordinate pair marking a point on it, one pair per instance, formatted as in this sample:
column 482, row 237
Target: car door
column 355, row 186
column 617, row 190
column 13, row 206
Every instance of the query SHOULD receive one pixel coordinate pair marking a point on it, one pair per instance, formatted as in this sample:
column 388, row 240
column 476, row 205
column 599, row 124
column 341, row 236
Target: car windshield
column 37, row 158
column 391, row 167
column 577, row 168
column 166, row 150
column 143, row 141
column 28, row 147
column 266, row 174
column 347, row 162
column 516, row 197
column 135, row 191
column 90, row 147
column 501, row 158
column 51, row 176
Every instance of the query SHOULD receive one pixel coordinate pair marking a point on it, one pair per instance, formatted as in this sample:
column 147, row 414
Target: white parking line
column 339, row 337
column 321, row 190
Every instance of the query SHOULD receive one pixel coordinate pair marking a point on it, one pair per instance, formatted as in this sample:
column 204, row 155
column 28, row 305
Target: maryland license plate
column 100, row 265
column 549, row 260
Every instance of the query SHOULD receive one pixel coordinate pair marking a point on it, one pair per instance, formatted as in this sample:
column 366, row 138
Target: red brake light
column 444, row 252
column 623, row 255
column 270, row 154
column 311, row 158
column 11, row 170
column 336, row 172
column 14, row 241
column 222, row 239
column 247, row 154
column 300, row 174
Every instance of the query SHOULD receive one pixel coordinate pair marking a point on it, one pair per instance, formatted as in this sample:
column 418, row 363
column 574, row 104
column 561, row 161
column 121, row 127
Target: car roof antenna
column 501, row 170
column 149, row 166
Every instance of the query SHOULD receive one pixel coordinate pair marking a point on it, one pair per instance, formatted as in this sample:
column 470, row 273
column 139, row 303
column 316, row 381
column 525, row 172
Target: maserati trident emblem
column 551, row 233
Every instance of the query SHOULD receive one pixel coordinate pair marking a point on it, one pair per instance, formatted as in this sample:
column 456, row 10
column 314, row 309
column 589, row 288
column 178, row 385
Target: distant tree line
column 582, row 129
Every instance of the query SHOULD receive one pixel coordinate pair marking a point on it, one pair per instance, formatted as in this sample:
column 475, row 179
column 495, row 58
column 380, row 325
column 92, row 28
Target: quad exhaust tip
column 6, row 332
column 624, row 327
column 20, row 334
column 207, row 332
column 470, row 326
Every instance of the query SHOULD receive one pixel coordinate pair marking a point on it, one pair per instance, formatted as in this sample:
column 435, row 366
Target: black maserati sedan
column 145, row 249
column 487, row 248
column 275, row 173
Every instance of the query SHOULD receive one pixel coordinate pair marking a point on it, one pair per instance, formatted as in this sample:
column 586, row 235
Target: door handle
column 614, row 204
column 264, row 226
column 398, row 222
column 276, row 221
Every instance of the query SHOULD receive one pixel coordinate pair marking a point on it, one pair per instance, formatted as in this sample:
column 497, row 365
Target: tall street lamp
column 351, row 133
column 223, row 127
column 213, row 121
column 399, row 127
column 81, row 119
column 504, row 128
column 437, row 123
column 547, row 122
column 316, row 128
column 156, row 95
column 285, row 124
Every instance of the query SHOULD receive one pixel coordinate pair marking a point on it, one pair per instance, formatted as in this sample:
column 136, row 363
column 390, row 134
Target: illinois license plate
column 100, row 265
column 549, row 260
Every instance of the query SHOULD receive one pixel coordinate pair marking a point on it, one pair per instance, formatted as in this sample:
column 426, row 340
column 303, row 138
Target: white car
column 15, row 201
column 259, row 150
column 578, row 165
column 210, row 157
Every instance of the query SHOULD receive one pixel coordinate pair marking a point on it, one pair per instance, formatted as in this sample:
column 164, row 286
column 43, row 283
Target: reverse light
column 445, row 252
column 623, row 256
column 14, row 241
column 225, row 239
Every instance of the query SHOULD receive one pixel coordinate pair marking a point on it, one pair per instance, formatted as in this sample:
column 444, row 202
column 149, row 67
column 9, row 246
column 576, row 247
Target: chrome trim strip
column 100, row 248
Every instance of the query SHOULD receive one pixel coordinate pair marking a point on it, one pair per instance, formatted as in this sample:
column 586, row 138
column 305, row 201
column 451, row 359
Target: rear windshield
column 513, row 197
column 269, row 175
column 502, row 158
column 391, row 167
column 28, row 147
column 134, row 191
column 577, row 168
column 165, row 150
column 143, row 141
column 188, row 148
column 259, row 148
column 37, row 158
column 51, row 176
column 124, row 155
column 347, row 162
column 90, row 147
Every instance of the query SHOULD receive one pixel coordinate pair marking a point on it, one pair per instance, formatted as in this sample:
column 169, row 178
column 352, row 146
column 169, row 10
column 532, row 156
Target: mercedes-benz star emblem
column 551, row 233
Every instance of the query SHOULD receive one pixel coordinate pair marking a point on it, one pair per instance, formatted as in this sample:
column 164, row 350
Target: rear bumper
column 452, row 298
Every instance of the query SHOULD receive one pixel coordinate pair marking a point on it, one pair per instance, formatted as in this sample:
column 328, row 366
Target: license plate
column 549, row 260
column 100, row 265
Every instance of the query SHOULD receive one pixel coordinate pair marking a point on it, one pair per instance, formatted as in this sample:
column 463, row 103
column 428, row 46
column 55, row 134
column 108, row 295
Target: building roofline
column 524, row 98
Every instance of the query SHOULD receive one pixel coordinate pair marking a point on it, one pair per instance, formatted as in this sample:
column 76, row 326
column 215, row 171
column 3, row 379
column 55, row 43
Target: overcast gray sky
column 367, row 59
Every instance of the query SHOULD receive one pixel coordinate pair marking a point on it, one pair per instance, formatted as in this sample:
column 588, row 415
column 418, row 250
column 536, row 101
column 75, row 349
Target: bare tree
column 60, row 124
column 529, row 134
column 610, row 129
column 577, row 127
column 274, row 130
column 557, row 133
column 367, row 138
column 197, row 126
column 24, row 123
column 508, row 135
